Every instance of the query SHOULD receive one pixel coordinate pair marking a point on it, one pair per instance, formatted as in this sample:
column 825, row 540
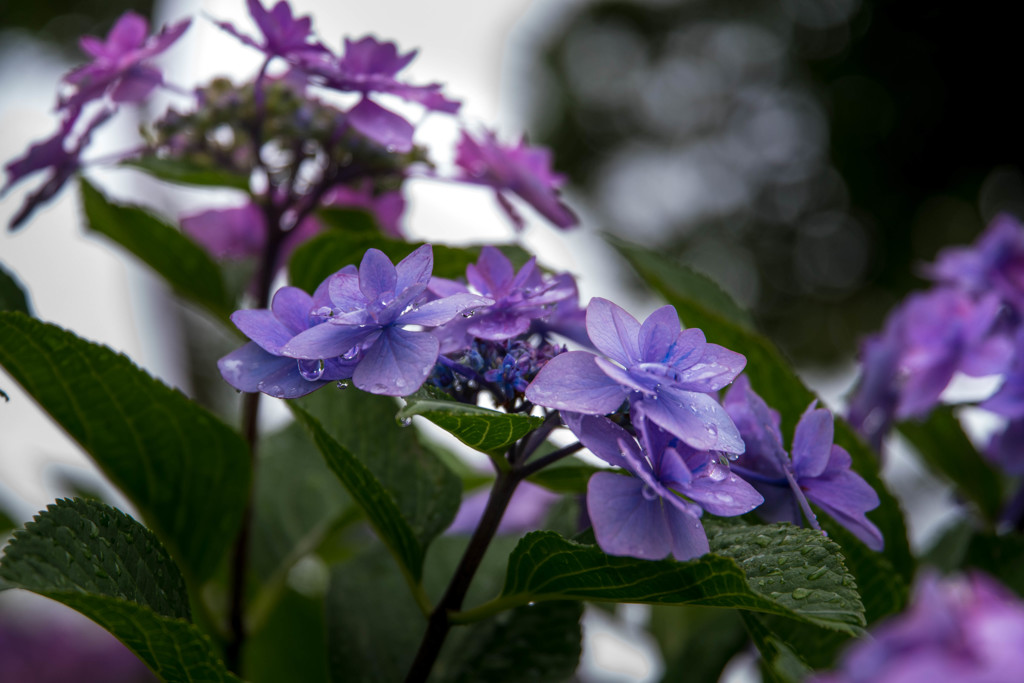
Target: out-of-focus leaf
column 185, row 470
column 183, row 172
column 773, row 378
column 425, row 490
column 564, row 476
column 99, row 561
column 488, row 431
column 181, row 262
column 777, row 569
column 696, row 642
column 291, row 645
column 12, row 294
column 942, row 444
column 1000, row 556
column 779, row 664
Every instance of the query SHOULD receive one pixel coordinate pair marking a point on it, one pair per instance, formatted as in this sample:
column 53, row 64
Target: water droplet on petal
column 405, row 422
column 343, row 384
column 311, row 370
column 649, row 493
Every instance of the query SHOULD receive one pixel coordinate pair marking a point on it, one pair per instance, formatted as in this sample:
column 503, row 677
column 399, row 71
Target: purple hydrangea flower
column 666, row 373
column 526, row 510
column 964, row 629
column 60, row 153
column 819, row 470
column 118, row 67
column 994, row 264
column 522, row 170
column 645, row 515
column 371, row 66
column 519, row 298
column 367, row 315
column 260, row 365
column 284, row 35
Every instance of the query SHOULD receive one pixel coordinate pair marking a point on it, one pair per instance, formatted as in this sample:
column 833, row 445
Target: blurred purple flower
column 284, row 35
column 371, row 66
column 366, row 317
column 819, row 470
column 519, row 298
column 522, row 170
column 525, row 512
column 61, row 153
column 995, row 263
column 260, row 365
column 644, row 515
column 666, row 373
column 386, row 208
column 118, row 66
column 964, row 629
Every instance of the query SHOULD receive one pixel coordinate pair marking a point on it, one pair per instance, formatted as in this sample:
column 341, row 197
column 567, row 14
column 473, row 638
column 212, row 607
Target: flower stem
column 440, row 622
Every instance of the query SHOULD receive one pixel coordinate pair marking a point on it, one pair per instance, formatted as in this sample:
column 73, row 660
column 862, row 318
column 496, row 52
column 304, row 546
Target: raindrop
column 469, row 314
column 399, row 382
column 311, row 370
column 800, row 593
column 351, row 353
column 712, row 430
column 649, row 493
column 762, row 540
column 531, row 604
column 405, row 422
column 343, row 384
column 818, row 573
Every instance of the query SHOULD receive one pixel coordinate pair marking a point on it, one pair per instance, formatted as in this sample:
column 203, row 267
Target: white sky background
column 98, row 291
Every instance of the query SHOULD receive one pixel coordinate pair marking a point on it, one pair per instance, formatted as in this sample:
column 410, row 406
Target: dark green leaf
column 97, row 560
column 488, row 431
column 943, row 445
column 297, row 501
column 773, row 378
column 776, row 569
column 696, row 642
column 530, row 643
column 292, row 643
column 779, row 664
column 12, row 294
column 176, row 258
column 333, row 250
column 185, row 172
column 185, row 470
column 426, row 491
column 1000, row 556
column 376, row 501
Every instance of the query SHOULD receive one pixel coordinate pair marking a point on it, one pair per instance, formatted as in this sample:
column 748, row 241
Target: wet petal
column 658, row 334
column 327, row 340
column 572, row 381
column 261, row 326
column 624, row 521
column 613, row 331
column 695, row 418
column 812, row 443
column 415, row 268
column 377, row 275
column 397, row 363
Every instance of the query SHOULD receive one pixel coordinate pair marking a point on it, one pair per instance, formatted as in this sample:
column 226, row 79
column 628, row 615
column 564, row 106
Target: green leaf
column 331, row 251
column 185, row 470
column 99, row 561
column 290, row 645
column 773, row 378
column 376, row 501
column 779, row 664
column 426, row 491
column 184, row 172
column 12, row 294
column 531, row 643
column 696, row 642
column 943, row 445
column 776, row 569
column 488, row 431
column 1000, row 556
column 181, row 262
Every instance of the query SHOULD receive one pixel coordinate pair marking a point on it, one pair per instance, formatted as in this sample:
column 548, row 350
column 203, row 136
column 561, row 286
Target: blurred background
column 807, row 154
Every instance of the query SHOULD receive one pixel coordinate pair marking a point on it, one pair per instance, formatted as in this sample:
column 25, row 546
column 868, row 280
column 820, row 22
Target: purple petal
column 721, row 492
column 525, row 512
column 343, row 289
column 758, row 425
column 291, row 306
column 327, row 340
column 613, row 331
column 384, row 127
column 636, row 382
column 137, row 84
column 261, row 326
column 252, row 369
column 624, row 521
column 658, row 334
column 440, row 311
column 688, row 537
column 444, row 287
column 377, row 275
column 492, row 274
column 228, row 233
column 602, row 437
column 499, row 325
column 812, row 443
column 846, row 497
column 695, row 418
column 716, row 368
column 397, row 363
column 572, row 381
column 415, row 268
column 127, row 34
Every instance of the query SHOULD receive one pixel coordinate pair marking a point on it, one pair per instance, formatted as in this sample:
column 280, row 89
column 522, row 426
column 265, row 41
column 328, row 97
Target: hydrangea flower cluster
column 970, row 323
column 966, row 628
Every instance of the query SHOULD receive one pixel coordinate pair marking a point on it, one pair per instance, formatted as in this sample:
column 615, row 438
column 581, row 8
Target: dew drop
column 343, row 384
column 399, row 382
column 649, row 493
column 351, row 353
column 469, row 314
column 711, row 429
column 311, row 370
column 800, row 593
column 818, row 573
column 405, row 422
